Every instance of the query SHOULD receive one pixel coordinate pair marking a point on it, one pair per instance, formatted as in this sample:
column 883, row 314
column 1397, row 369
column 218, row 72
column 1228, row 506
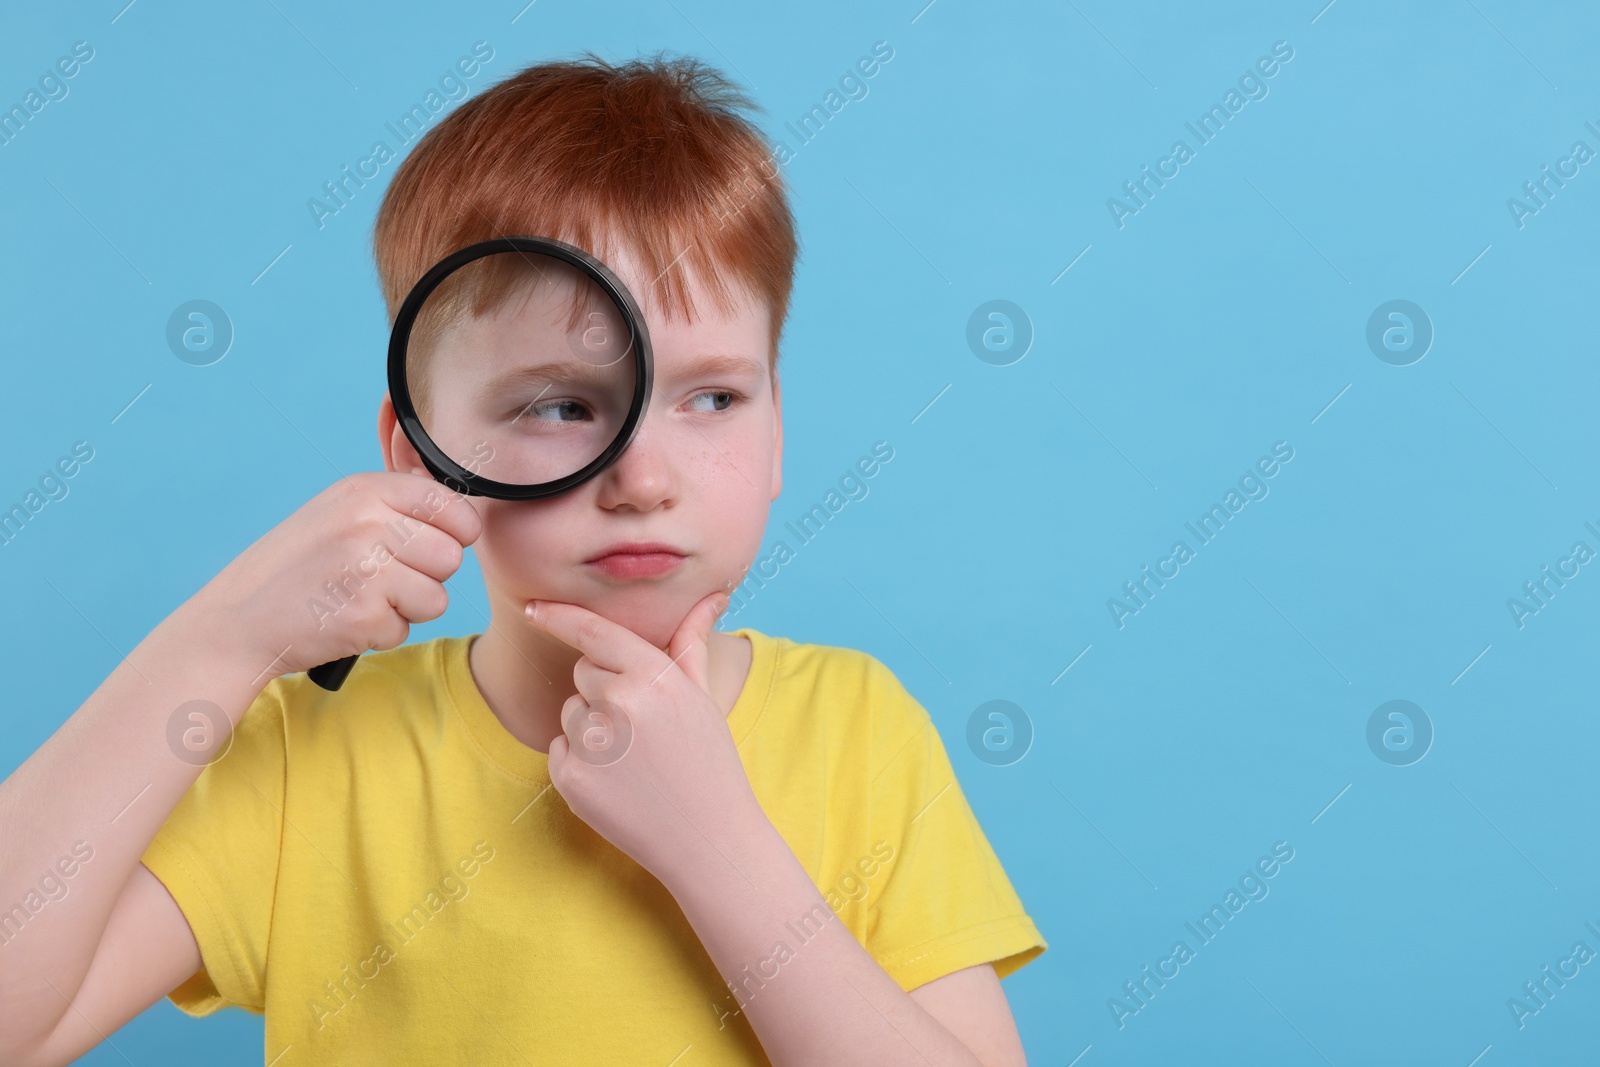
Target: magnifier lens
column 521, row 368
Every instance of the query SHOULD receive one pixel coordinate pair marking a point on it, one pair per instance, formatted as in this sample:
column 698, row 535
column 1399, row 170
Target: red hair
column 654, row 152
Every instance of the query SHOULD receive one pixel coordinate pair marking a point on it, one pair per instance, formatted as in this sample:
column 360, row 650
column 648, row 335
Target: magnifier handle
column 332, row 675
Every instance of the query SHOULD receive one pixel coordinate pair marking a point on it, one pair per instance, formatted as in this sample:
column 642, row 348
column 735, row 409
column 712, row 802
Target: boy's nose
column 643, row 477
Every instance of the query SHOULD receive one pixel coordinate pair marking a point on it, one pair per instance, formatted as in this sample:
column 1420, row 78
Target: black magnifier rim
column 447, row 470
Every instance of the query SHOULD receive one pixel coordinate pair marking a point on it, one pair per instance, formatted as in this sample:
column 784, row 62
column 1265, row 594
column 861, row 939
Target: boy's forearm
column 101, row 787
column 812, row 993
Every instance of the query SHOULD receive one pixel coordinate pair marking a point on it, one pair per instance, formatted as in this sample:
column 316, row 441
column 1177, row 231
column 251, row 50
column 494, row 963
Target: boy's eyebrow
column 562, row 372
column 714, row 364
column 578, row 372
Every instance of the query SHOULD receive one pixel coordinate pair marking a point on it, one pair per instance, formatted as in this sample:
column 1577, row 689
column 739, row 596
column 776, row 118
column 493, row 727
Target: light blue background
column 1224, row 316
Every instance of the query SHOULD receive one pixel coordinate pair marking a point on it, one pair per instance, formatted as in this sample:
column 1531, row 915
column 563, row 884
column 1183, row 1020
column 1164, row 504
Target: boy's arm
column 90, row 801
column 78, row 815
column 830, row 1001
column 971, row 1005
column 147, row 951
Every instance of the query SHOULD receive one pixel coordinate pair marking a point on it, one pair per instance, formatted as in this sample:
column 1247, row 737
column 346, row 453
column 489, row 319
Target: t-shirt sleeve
column 217, row 854
column 945, row 903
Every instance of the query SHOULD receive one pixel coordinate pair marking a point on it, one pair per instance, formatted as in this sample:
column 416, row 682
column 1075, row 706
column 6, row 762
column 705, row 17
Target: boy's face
column 699, row 475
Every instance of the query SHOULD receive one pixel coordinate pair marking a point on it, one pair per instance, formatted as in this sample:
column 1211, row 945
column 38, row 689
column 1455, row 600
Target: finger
column 690, row 647
column 609, row 644
column 388, row 632
column 413, row 594
column 572, row 716
column 424, row 548
column 558, row 759
column 591, row 678
column 425, row 500
column 597, row 733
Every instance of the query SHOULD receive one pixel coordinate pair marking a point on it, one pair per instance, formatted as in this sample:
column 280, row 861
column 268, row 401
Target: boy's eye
column 564, row 410
column 722, row 399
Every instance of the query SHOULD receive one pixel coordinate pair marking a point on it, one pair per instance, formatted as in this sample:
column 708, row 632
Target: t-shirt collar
column 497, row 742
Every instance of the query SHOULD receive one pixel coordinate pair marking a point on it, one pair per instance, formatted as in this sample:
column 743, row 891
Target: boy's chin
column 649, row 611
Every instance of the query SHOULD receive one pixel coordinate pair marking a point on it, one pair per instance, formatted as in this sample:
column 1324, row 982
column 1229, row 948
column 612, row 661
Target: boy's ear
column 398, row 455
column 777, row 436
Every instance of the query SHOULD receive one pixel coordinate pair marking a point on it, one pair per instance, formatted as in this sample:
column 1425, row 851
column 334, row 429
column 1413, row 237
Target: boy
column 435, row 864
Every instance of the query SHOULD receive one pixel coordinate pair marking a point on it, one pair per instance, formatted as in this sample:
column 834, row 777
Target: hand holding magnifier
column 519, row 368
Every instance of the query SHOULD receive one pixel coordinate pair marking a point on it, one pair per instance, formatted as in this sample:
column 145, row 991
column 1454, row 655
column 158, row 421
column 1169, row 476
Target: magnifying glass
column 519, row 368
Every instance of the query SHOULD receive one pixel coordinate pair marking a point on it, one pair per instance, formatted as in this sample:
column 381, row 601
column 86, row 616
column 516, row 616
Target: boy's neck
column 526, row 681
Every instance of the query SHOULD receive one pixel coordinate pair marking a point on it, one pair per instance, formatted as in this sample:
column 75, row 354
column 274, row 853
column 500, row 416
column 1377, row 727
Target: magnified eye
column 563, row 410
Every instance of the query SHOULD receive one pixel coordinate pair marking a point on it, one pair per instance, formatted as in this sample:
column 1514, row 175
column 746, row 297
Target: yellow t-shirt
column 387, row 874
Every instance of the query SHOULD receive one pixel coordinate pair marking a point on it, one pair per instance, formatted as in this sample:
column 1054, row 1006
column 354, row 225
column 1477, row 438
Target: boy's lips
column 636, row 559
